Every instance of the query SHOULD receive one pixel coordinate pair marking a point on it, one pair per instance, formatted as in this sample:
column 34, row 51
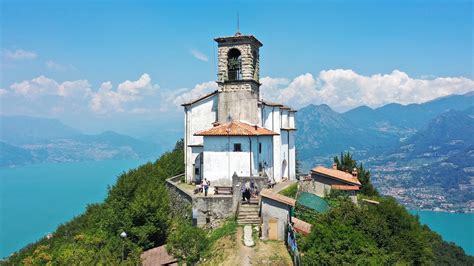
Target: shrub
column 187, row 243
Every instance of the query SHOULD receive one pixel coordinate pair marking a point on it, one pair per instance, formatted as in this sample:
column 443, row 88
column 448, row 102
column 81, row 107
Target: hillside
column 432, row 168
column 29, row 140
column 140, row 205
column 419, row 153
column 323, row 132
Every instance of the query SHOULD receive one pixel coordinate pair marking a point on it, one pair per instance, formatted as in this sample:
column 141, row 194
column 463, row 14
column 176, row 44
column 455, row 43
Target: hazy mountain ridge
column 26, row 140
column 419, row 153
column 434, row 167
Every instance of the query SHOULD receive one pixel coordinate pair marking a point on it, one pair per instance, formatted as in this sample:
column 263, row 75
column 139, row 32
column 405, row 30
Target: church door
column 198, row 168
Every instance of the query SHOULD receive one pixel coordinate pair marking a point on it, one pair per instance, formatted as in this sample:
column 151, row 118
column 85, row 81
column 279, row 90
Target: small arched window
column 234, row 64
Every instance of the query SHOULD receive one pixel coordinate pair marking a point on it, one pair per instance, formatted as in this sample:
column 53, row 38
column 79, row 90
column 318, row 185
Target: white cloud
column 3, row 92
column 345, row 89
column 107, row 100
column 198, row 55
column 57, row 67
column 46, row 86
column 339, row 88
column 19, row 54
column 185, row 95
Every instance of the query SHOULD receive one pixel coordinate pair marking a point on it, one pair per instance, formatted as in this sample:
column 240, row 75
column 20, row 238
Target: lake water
column 453, row 227
column 35, row 199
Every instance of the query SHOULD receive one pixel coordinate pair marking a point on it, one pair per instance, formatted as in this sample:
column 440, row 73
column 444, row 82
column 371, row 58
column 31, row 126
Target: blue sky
column 350, row 45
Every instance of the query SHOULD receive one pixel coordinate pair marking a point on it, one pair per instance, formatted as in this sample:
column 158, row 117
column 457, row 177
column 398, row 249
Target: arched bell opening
column 234, row 64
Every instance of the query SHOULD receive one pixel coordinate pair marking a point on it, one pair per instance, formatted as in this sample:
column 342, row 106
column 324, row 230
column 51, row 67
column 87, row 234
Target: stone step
column 249, row 207
column 248, row 221
column 253, row 218
column 248, row 212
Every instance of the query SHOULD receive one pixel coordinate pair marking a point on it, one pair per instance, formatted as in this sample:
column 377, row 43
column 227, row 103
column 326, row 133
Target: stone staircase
column 248, row 213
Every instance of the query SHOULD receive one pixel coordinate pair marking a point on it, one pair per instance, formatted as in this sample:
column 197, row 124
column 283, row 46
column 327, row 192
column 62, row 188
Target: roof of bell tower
column 237, row 39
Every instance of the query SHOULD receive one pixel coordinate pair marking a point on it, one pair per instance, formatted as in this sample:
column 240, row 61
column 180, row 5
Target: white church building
column 233, row 130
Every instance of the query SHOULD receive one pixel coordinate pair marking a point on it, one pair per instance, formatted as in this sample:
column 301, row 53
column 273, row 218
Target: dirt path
column 232, row 251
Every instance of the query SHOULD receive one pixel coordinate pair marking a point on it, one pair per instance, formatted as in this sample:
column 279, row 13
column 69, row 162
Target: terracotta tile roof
column 157, row 256
column 236, row 128
column 278, row 197
column 301, row 226
column 200, row 98
column 337, row 174
column 345, row 187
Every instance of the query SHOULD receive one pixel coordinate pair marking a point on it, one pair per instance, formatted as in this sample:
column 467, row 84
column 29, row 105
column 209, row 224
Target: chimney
column 334, row 166
column 354, row 172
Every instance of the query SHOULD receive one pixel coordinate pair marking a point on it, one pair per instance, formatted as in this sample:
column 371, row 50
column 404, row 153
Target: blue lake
column 35, row 199
column 453, row 227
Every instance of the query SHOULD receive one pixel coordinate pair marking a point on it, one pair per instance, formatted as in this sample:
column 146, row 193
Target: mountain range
column 26, row 140
column 422, row 154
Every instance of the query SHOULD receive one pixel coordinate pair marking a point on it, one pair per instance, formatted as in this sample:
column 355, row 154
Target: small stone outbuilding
column 275, row 210
column 323, row 180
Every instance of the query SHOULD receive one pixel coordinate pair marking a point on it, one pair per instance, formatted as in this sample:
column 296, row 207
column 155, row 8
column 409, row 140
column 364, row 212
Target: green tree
column 347, row 164
column 187, row 243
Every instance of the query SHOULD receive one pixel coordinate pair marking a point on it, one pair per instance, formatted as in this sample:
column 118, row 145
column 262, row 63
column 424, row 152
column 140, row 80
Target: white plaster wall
column 203, row 114
column 266, row 113
column 279, row 211
column 292, row 155
column 284, row 153
column 194, row 154
column 291, row 120
column 265, row 157
column 199, row 116
column 220, row 161
column 284, row 118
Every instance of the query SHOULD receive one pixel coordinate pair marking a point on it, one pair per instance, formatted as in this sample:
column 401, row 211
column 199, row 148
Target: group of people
column 248, row 190
column 204, row 186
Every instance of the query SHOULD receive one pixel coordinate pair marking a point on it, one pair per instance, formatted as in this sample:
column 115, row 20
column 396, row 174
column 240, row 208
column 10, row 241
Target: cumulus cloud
column 199, row 55
column 135, row 96
column 3, row 92
column 46, row 86
column 345, row 89
column 186, row 95
column 19, row 54
column 341, row 89
column 108, row 100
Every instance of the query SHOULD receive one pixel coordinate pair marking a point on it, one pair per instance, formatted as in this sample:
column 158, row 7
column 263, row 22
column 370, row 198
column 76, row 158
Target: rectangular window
column 259, row 147
column 196, row 171
column 237, row 147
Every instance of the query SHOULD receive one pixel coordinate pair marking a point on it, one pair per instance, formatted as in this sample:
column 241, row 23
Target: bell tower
column 238, row 78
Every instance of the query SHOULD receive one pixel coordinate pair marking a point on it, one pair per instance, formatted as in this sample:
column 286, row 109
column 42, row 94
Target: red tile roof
column 345, row 187
column 301, row 226
column 200, row 98
column 337, row 174
column 236, row 128
column 157, row 256
column 278, row 197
